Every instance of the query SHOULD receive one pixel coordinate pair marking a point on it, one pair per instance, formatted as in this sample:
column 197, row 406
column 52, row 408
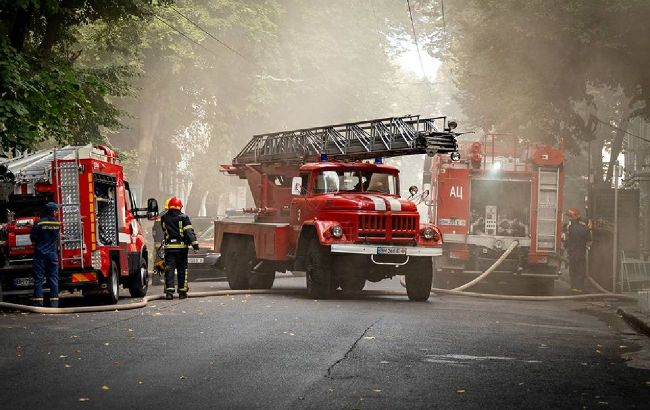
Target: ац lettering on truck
column 322, row 210
column 101, row 247
column 503, row 189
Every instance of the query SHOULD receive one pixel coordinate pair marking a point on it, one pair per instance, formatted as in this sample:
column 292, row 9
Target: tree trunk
column 18, row 31
column 52, row 34
column 617, row 146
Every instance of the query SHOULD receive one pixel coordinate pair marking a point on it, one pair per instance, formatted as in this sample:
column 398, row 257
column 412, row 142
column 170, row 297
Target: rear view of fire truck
column 503, row 190
column 101, row 244
column 322, row 210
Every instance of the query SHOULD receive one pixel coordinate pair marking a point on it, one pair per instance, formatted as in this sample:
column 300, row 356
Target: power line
column 211, row 35
column 415, row 38
column 622, row 130
column 185, row 35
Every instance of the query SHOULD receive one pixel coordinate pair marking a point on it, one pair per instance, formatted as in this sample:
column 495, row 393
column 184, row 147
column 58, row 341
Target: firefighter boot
column 182, row 295
column 169, row 294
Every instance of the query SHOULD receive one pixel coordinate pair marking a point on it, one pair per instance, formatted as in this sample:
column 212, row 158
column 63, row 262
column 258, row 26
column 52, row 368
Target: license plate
column 390, row 251
column 195, row 260
column 23, row 282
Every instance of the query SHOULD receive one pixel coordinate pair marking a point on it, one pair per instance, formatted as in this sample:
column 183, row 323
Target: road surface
column 288, row 351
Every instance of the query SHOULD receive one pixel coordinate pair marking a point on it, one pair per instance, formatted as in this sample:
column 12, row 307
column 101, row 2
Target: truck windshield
column 355, row 181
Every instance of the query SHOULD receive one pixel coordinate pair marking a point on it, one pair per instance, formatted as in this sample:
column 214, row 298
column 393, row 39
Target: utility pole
column 615, row 240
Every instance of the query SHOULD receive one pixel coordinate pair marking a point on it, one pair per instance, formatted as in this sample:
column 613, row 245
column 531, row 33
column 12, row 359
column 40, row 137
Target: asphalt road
column 288, row 351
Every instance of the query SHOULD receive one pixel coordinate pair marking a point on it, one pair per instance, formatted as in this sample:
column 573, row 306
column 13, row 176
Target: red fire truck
column 322, row 210
column 101, row 243
column 503, row 190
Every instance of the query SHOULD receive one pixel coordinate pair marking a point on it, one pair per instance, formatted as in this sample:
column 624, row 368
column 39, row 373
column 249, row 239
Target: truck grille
column 372, row 225
column 402, row 226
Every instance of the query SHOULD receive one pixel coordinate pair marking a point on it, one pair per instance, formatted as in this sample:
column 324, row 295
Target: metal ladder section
column 386, row 137
column 548, row 180
column 72, row 237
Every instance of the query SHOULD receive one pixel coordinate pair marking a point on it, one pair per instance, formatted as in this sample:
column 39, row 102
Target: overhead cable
column 211, row 35
column 184, row 35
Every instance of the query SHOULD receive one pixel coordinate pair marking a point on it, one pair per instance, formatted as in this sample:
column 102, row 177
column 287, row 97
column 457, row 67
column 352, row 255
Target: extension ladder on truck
column 385, row 137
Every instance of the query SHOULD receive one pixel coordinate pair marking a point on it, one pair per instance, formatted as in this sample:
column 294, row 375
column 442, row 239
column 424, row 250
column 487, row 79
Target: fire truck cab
column 101, row 246
column 501, row 191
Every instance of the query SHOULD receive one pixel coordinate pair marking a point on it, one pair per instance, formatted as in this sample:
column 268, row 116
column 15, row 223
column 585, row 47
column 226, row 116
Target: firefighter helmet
column 175, row 203
column 573, row 213
column 167, row 202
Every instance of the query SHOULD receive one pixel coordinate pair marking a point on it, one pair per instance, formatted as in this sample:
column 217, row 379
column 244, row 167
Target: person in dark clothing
column 577, row 239
column 45, row 237
column 179, row 235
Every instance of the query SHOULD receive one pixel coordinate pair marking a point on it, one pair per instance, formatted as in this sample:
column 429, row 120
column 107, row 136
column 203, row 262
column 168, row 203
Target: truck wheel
column 239, row 262
column 140, row 281
column 261, row 280
column 113, row 286
column 418, row 279
column 318, row 270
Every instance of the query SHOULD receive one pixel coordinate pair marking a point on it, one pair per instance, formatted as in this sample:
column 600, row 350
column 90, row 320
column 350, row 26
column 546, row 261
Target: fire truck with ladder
column 504, row 189
column 101, row 246
column 320, row 209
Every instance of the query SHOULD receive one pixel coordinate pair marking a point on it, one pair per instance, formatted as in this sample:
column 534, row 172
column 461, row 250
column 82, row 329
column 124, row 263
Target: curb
column 634, row 322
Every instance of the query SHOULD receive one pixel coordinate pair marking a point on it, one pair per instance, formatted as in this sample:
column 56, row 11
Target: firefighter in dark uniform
column 179, row 235
column 577, row 239
column 45, row 237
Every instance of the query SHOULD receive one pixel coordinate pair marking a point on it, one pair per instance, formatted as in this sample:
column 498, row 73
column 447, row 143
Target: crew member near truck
column 45, row 237
column 576, row 241
column 179, row 235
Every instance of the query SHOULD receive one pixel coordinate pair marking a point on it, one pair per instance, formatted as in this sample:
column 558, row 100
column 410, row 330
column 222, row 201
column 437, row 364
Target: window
column 354, row 181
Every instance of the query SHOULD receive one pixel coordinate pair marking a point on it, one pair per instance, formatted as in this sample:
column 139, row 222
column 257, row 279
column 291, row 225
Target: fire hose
column 460, row 290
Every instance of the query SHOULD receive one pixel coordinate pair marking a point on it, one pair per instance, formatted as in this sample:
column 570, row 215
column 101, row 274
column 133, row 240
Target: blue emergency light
column 379, row 160
column 323, row 156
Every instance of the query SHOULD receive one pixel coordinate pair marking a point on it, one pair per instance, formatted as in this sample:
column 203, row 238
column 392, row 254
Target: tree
column 47, row 93
column 525, row 66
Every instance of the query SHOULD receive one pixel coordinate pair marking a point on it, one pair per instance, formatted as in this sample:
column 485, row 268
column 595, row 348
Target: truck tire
column 140, row 282
column 240, row 259
column 418, row 279
column 261, row 280
column 113, row 294
column 318, row 264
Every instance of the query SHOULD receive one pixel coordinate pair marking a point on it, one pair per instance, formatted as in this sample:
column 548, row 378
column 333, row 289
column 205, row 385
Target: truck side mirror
column 152, row 208
column 296, row 186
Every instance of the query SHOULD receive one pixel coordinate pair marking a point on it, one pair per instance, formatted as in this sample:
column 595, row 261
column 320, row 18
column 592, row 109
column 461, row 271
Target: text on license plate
column 195, row 260
column 381, row 250
column 20, row 282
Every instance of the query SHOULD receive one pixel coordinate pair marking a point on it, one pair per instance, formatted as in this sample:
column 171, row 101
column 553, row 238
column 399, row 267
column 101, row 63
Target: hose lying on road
column 138, row 305
column 460, row 290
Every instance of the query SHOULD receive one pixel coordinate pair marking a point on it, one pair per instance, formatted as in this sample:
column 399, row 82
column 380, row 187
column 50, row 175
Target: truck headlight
column 337, row 231
column 428, row 233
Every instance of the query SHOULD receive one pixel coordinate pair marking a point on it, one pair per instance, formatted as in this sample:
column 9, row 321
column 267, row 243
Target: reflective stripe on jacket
column 179, row 233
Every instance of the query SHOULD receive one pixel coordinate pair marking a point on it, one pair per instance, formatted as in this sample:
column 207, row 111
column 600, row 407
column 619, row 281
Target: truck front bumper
column 365, row 249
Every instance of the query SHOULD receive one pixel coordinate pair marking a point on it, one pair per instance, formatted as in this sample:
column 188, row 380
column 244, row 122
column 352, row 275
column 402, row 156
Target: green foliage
column 523, row 66
column 55, row 101
column 48, row 92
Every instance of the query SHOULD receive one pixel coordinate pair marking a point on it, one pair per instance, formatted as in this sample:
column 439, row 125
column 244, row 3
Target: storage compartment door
column 547, row 200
